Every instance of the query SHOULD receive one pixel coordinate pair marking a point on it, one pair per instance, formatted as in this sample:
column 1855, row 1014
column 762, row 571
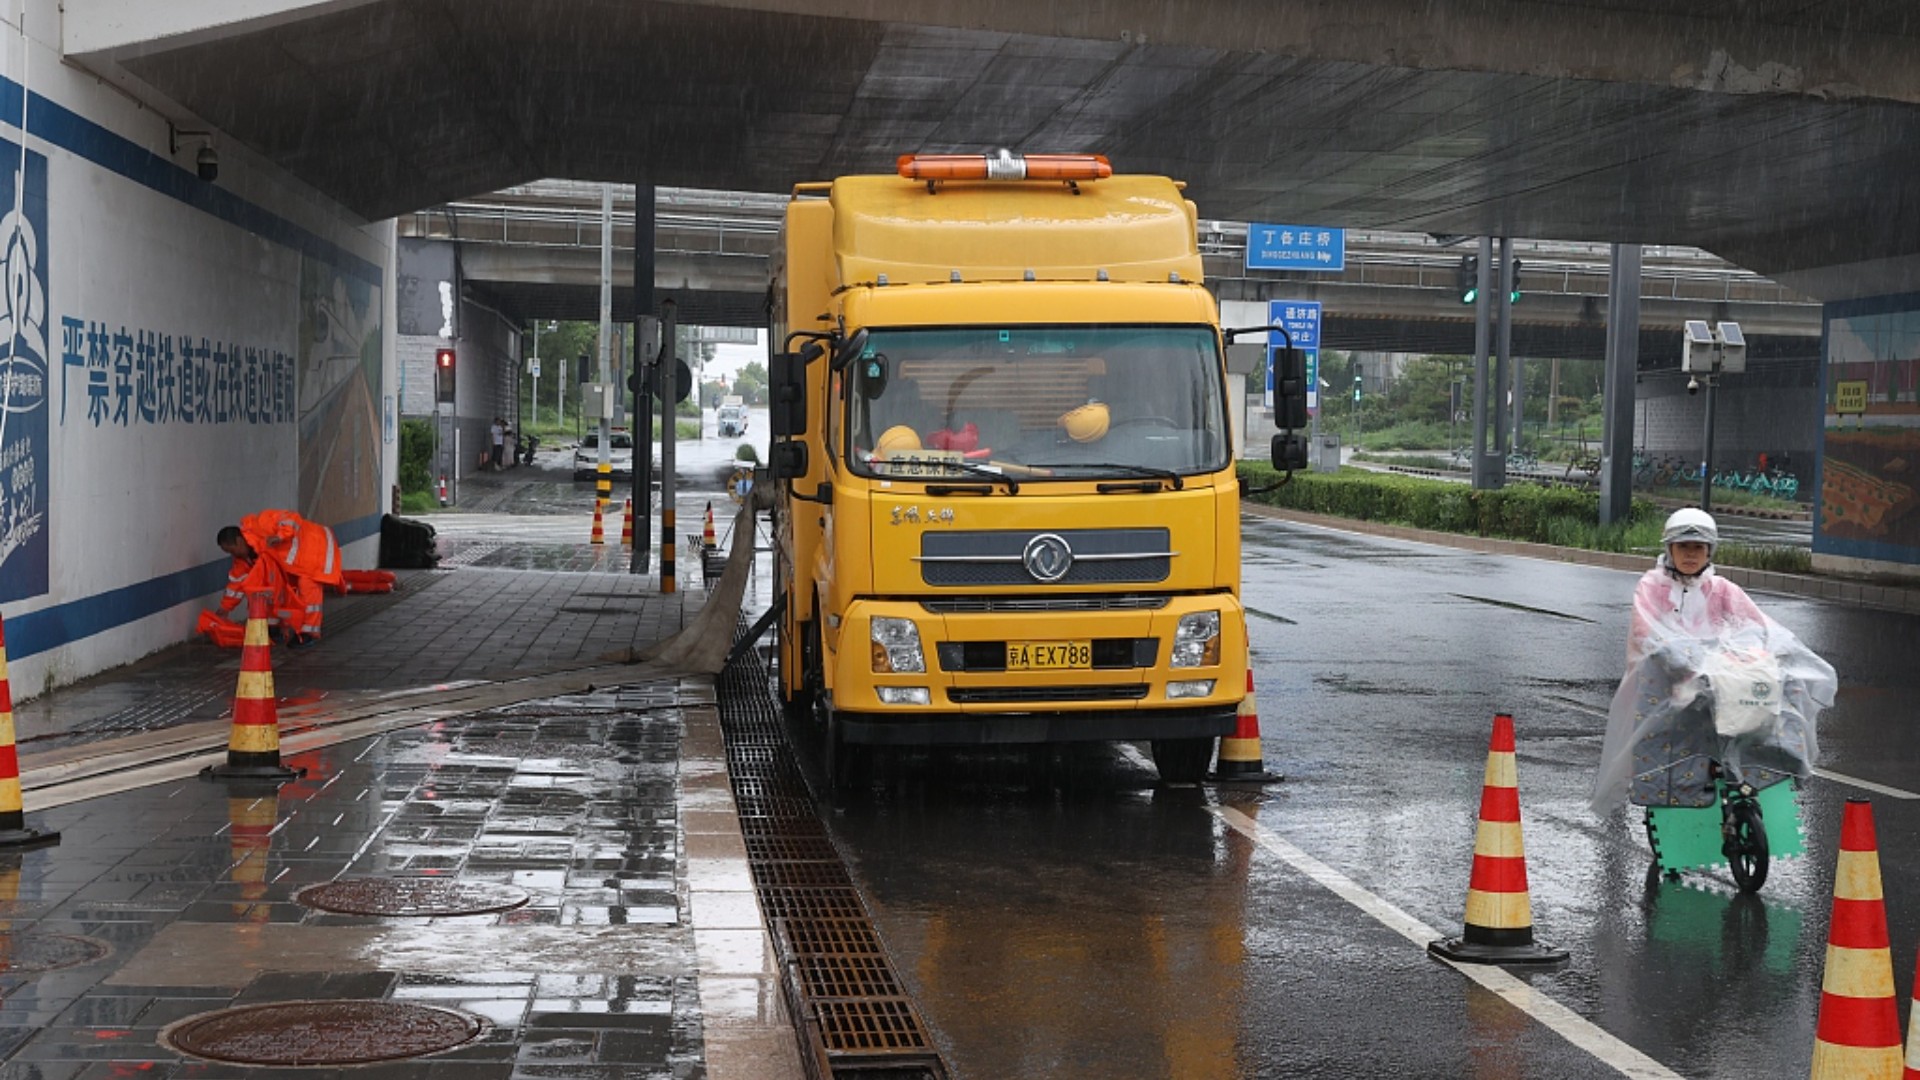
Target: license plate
column 1048, row 655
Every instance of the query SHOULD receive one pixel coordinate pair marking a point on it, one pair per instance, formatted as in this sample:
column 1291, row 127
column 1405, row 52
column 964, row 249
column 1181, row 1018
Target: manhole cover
column 29, row 954
column 322, row 1032
column 411, row 896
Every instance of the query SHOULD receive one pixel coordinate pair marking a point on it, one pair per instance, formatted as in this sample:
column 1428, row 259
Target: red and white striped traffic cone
column 626, row 526
column 599, row 534
column 1239, row 758
column 1858, row 1034
column 706, row 530
column 14, row 832
column 1913, row 1031
column 253, row 740
column 1499, row 923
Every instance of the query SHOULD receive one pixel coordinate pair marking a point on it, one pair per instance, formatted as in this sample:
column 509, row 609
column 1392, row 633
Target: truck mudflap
column 952, row 728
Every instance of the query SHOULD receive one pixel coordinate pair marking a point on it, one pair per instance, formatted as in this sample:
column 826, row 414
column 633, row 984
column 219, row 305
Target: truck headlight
column 1190, row 688
column 896, row 647
column 904, row 695
column 1196, row 641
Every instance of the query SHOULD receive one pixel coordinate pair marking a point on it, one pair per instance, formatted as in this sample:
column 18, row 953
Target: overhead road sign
column 1296, row 247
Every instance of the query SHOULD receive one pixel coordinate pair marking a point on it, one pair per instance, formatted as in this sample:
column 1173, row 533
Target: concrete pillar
column 1616, row 384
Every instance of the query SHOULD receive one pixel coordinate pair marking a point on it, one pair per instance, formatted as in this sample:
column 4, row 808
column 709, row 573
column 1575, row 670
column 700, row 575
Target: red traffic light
column 443, row 358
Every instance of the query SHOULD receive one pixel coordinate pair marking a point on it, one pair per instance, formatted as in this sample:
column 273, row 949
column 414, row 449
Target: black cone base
column 27, row 838
column 1245, row 772
column 1463, row 951
column 256, row 773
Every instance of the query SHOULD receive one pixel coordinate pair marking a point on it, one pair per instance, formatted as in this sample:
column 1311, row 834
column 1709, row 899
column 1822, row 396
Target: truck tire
column 848, row 765
column 1182, row 761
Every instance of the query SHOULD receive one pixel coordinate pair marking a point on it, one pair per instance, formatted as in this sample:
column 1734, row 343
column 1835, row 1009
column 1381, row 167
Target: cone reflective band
column 1858, row 1036
column 599, row 535
column 626, row 526
column 253, row 741
column 1004, row 166
column 13, row 819
column 1499, row 921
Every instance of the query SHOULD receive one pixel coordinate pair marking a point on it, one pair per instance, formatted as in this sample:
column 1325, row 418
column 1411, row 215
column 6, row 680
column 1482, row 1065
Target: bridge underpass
column 1780, row 136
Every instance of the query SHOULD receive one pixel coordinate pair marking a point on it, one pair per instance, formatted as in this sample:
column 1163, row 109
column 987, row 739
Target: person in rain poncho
column 1710, row 678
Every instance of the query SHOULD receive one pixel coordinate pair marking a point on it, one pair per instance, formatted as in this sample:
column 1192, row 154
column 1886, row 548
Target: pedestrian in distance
column 281, row 553
column 498, row 436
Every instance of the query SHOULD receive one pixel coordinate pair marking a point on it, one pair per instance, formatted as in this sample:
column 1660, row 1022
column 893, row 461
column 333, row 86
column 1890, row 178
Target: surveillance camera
column 1693, row 386
column 207, row 164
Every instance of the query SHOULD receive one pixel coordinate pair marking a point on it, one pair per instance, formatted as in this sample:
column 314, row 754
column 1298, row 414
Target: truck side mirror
column 1290, row 452
column 788, row 460
column 1289, row 389
column 787, row 394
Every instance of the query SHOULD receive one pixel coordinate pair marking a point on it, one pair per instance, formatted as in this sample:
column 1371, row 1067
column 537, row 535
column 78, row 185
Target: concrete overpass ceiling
column 1603, row 120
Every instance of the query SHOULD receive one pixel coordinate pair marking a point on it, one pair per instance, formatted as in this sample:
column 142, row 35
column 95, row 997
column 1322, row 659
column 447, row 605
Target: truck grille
column 996, row 695
column 995, row 557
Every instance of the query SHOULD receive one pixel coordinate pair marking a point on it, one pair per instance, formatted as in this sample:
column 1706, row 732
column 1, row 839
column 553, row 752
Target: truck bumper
column 945, row 729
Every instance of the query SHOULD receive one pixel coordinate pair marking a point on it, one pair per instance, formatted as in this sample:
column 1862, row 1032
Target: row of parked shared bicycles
column 1770, row 481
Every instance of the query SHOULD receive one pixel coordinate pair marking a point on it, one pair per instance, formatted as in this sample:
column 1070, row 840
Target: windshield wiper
column 1168, row 475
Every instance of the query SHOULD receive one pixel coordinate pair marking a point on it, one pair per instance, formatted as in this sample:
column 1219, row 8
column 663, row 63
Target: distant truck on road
column 733, row 416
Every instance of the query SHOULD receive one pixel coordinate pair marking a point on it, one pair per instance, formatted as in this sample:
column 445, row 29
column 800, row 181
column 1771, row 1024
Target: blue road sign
column 1302, row 320
column 1296, row 247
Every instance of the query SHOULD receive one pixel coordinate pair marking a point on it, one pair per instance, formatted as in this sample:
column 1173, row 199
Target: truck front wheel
column 1182, row 761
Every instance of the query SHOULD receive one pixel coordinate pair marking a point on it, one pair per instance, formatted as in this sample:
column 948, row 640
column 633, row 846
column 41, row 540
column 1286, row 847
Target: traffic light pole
column 1623, row 358
column 1483, row 476
column 645, row 369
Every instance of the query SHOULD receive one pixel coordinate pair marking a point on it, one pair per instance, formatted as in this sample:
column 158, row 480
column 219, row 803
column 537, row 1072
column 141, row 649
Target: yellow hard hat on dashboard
column 1086, row 423
column 897, row 439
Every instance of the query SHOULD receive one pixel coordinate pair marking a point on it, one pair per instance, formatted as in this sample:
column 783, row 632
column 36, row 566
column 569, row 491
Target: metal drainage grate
column 817, row 903
column 868, row 976
column 850, row 1010
column 790, row 875
column 31, row 954
column 868, row 1025
column 824, row 937
column 777, row 848
column 322, row 1033
column 411, row 897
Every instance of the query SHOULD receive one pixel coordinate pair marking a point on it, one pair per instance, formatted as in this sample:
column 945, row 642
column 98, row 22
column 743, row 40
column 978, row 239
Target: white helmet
column 1691, row 524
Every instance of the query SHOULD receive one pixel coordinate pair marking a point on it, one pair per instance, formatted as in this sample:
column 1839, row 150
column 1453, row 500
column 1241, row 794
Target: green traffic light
column 1470, row 296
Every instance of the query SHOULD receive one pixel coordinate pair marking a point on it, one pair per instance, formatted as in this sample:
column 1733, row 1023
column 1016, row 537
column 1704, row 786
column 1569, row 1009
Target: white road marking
column 1841, row 778
column 1569, row 1025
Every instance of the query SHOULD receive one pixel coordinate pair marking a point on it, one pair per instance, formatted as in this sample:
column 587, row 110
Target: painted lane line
column 1566, row 1023
column 1841, row 778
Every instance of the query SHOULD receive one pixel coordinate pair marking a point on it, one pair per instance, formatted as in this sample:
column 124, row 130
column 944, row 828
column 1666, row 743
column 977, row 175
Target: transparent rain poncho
column 1660, row 729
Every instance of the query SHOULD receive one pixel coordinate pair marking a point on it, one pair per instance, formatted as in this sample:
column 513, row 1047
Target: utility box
column 1326, row 454
column 593, row 400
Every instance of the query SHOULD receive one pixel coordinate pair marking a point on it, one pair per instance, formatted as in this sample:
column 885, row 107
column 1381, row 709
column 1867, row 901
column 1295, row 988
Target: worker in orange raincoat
column 279, row 551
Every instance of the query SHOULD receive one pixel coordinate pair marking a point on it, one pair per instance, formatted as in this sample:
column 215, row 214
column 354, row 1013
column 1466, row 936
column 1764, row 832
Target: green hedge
column 1545, row 515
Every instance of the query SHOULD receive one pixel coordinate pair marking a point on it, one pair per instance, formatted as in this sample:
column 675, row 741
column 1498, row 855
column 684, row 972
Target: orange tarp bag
column 366, row 581
column 227, row 635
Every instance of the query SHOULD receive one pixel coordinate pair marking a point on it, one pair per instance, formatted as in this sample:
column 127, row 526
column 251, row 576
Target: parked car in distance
column 586, row 459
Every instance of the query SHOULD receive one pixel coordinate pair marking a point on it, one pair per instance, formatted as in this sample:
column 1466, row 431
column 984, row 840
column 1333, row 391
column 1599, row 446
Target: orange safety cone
column 1239, row 758
column 706, row 530
column 626, row 526
column 1499, row 923
column 1858, row 1035
column 253, row 741
column 599, row 531
column 14, row 832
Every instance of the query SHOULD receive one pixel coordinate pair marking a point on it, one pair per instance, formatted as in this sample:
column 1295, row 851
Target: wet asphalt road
column 1066, row 917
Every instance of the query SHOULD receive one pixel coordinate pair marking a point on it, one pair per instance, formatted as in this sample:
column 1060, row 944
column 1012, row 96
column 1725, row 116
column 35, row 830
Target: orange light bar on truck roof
column 1005, row 166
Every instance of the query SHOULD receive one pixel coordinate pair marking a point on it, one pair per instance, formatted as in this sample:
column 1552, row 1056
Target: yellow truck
column 1006, row 506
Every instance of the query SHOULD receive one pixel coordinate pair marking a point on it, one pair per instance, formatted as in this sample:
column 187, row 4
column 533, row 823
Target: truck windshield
column 1038, row 402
